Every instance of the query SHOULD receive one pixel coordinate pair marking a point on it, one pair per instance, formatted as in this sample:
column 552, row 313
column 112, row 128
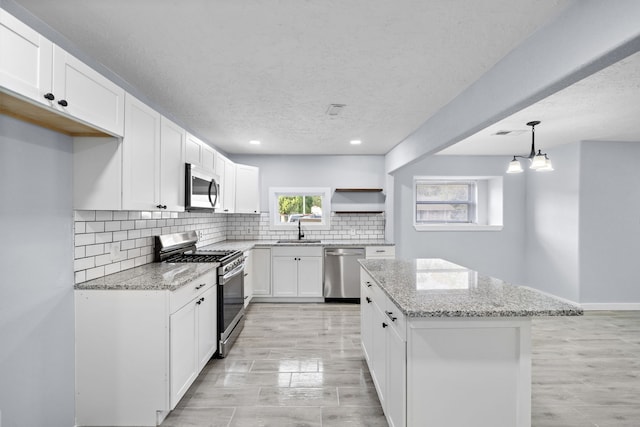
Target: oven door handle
column 230, row 275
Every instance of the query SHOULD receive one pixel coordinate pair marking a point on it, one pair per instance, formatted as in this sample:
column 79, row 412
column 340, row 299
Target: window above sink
column 307, row 207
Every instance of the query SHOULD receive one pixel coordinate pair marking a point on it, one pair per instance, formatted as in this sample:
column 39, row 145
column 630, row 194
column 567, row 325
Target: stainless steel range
column 181, row 247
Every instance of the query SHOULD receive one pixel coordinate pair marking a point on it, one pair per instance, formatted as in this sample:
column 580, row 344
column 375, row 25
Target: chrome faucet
column 300, row 233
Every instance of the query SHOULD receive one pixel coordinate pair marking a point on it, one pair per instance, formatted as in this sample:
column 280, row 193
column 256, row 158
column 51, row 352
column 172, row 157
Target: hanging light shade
column 539, row 161
column 515, row 166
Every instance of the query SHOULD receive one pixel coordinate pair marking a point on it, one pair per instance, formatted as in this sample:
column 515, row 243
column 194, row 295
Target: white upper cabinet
column 247, row 189
column 141, row 157
column 172, row 146
column 34, row 68
column 228, row 178
column 200, row 154
column 25, row 59
column 85, row 94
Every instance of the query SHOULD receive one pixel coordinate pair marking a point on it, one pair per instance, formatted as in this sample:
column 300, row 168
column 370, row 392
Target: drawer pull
column 391, row 316
column 384, row 325
column 380, row 251
column 368, row 300
column 368, row 284
column 201, row 286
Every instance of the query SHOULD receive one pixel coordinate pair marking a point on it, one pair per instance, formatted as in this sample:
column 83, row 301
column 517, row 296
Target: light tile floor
column 301, row 365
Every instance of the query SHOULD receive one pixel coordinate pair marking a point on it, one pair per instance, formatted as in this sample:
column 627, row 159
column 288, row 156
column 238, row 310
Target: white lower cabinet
column 261, row 272
column 384, row 344
column 138, row 351
column 297, row 272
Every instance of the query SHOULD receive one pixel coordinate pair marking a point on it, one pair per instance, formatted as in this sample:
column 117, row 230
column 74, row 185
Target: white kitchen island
column 447, row 346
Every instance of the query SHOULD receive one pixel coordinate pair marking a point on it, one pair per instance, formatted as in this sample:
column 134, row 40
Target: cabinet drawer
column 380, row 251
column 296, row 251
column 183, row 295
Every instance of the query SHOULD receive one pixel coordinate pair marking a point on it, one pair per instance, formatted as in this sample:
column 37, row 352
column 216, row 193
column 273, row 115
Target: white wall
column 552, row 225
column 609, row 222
column 315, row 171
column 36, row 286
column 496, row 253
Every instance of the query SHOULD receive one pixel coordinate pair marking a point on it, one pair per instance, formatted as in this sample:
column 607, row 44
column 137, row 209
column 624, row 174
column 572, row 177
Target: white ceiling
column 233, row 71
column 602, row 107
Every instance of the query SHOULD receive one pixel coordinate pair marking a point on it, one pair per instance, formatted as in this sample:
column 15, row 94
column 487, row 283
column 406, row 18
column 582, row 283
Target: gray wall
column 609, row 222
column 315, row 171
column 36, row 287
column 497, row 253
column 552, row 219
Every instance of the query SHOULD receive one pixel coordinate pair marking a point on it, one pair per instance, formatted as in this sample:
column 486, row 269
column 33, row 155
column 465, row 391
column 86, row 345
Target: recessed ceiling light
column 355, row 142
column 254, row 142
column 335, row 109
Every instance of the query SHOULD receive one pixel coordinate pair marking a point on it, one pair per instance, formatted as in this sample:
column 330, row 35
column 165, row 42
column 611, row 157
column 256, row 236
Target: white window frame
column 488, row 204
column 275, row 192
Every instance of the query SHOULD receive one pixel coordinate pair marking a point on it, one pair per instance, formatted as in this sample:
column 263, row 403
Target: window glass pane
column 442, row 192
column 442, row 212
column 304, row 207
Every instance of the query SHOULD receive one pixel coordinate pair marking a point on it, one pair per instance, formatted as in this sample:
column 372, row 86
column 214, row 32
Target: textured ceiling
column 602, row 107
column 233, row 71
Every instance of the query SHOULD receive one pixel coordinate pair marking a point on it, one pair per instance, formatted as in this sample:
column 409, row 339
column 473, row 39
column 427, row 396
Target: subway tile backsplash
column 107, row 242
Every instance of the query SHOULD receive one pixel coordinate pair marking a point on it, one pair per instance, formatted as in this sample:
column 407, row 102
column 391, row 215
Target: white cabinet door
column 183, row 369
column 25, row 59
column 229, row 187
column 285, row 276
column 379, row 354
column 366, row 321
column 207, row 326
column 208, row 158
column 85, row 94
column 396, row 408
column 141, row 157
column 172, row 145
column 247, row 189
column 193, row 151
column 261, row 263
column 310, row 277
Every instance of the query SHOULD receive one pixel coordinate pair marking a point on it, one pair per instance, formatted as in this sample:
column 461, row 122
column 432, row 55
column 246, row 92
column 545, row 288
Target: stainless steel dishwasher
column 342, row 273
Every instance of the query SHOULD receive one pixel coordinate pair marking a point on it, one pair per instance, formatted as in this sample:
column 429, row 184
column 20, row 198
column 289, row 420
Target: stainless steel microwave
column 202, row 189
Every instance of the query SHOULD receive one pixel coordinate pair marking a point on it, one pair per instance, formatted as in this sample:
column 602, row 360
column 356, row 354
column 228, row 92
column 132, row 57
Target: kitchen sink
column 298, row 241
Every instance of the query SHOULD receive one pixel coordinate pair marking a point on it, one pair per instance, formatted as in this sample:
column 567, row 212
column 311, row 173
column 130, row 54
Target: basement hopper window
column 457, row 203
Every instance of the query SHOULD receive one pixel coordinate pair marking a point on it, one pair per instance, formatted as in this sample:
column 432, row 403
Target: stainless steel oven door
column 230, row 308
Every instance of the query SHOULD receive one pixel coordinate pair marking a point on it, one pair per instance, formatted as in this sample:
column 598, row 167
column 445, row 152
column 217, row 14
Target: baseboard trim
column 610, row 306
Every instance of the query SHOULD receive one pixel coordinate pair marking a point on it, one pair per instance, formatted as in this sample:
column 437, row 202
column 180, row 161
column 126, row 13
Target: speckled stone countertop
column 154, row 276
column 439, row 288
column 244, row 245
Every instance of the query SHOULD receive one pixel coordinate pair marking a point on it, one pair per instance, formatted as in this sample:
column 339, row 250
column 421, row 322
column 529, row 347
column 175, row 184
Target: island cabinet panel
column 481, row 367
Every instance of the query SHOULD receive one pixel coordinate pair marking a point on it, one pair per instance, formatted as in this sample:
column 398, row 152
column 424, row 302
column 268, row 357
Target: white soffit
column 234, row 71
column 602, row 107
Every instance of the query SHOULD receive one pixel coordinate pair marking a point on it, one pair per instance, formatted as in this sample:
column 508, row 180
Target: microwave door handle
column 213, row 203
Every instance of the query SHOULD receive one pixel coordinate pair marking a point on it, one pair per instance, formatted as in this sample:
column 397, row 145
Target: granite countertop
column 439, row 288
column 244, row 245
column 155, row 276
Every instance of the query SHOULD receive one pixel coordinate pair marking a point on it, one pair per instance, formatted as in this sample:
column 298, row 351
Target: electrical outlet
column 352, row 231
column 200, row 235
column 248, row 230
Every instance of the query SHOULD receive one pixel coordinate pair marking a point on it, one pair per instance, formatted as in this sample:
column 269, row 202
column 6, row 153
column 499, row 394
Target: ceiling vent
column 335, row 109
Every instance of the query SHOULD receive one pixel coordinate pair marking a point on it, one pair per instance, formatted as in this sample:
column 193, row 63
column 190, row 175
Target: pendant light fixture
column 539, row 161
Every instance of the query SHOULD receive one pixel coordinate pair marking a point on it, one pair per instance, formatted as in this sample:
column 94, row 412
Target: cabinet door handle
column 63, row 102
column 391, row 316
column 368, row 284
column 200, row 301
column 246, row 297
column 384, row 325
column 368, row 300
column 161, row 206
column 49, row 96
